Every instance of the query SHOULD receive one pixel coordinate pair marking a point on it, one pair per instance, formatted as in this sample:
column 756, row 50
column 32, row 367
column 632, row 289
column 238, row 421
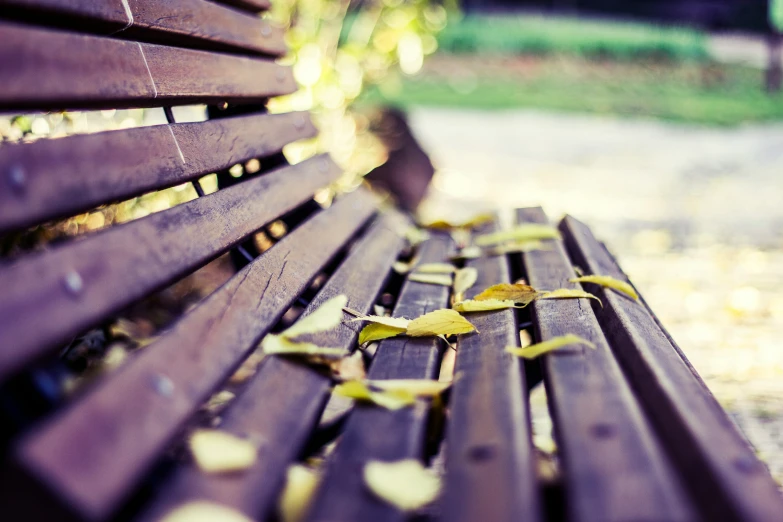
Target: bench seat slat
column 254, row 6
column 93, row 453
column 491, row 473
column 719, row 466
column 283, row 401
column 75, row 71
column 614, row 468
column 377, row 433
column 104, row 15
column 67, row 175
column 77, row 284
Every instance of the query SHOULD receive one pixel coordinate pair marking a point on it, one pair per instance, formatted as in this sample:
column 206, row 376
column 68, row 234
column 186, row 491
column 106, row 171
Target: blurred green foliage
column 776, row 14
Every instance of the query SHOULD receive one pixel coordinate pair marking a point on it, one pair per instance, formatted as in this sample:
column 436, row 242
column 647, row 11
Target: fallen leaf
column 416, row 236
column 282, row 345
column 218, row 401
column 300, row 485
column 358, row 390
column 485, row 305
column 461, row 237
column 568, row 293
column 439, row 322
column 394, row 322
column 435, row 268
column 405, row 484
column 248, row 368
column 608, row 282
column 218, row 451
column 204, row 511
column 377, row 331
column 442, row 224
column 469, row 252
column 350, row 368
column 416, row 387
column 519, row 293
column 431, row 279
column 534, row 350
column 519, row 248
column 464, row 279
column 325, row 317
column 520, row 233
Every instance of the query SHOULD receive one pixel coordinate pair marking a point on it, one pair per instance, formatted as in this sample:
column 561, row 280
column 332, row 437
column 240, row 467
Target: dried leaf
column 568, row 293
column 464, row 279
column 520, row 233
column 442, row 224
column 439, row 322
column 486, row 305
column 300, row 485
column 358, row 390
column 401, row 267
column 470, row 252
column 204, row 511
column 218, row 451
column 394, row 322
column 377, row 331
column 608, row 282
column 405, row 484
column 435, row 268
column 416, row 236
column 218, row 401
column 415, row 387
column 325, row 317
column 519, row 248
column 350, row 368
column 534, row 350
column 519, row 293
column 431, row 279
column 282, row 345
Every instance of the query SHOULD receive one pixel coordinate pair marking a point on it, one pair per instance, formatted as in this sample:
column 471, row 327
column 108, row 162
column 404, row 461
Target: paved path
column 694, row 214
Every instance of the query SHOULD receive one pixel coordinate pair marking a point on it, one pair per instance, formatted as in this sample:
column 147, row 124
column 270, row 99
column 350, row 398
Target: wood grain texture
column 64, row 176
column 77, row 284
column 73, row 71
column 716, row 462
column 374, row 433
column 103, row 16
column 490, row 467
column 284, row 400
column 614, row 467
column 93, row 453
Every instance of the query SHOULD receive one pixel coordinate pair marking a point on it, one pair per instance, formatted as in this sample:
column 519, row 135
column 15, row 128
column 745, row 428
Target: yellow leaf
column 350, row 368
column 608, row 282
column 394, row 322
column 534, row 350
column 520, row 294
column 520, row 233
column 415, row 387
column 416, row 236
column 281, row 345
column 470, row 252
column 405, row 484
column 485, row 305
column 358, row 390
column 300, row 485
column 325, row 317
column 439, row 322
column 463, row 280
column 568, row 293
column 377, row 331
column 401, row 267
column 431, row 279
column 435, row 268
column 218, row 451
column 442, row 224
column 204, row 511
column 520, row 247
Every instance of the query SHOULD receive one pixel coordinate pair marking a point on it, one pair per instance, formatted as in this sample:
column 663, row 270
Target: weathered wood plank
column 285, row 399
column 71, row 71
column 61, row 177
column 92, row 454
column 77, row 284
column 105, row 16
column 614, row 467
column 716, row 462
column 490, row 467
column 373, row 433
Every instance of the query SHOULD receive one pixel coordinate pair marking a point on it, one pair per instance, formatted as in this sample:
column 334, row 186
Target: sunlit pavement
column 694, row 214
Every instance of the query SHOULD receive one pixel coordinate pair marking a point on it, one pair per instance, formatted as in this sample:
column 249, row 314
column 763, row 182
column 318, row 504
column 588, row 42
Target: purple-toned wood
column 93, row 454
column 717, row 464
column 63, row 176
column 71, row 71
column 75, row 285
column 254, row 6
column 614, row 468
column 489, row 455
column 373, row 433
column 104, row 15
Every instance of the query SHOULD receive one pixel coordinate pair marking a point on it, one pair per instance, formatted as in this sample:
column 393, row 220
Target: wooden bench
column 639, row 436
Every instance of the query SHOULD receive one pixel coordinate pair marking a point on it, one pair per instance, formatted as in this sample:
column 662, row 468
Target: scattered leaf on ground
column 204, row 511
column 218, row 451
column 520, row 233
column 435, row 268
column 464, row 279
column 359, row 390
column 405, row 484
column 519, row 293
column 377, row 332
column 608, row 282
column 416, row 387
column 282, row 345
column 431, row 279
column 568, row 293
column 486, row 305
column 300, row 485
column 439, row 322
column 534, row 350
column 325, row 317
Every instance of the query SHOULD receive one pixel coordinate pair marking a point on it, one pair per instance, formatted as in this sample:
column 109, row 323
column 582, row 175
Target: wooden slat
column 254, row 6
column 373, row 433
column 718, row 465
column 61, row 177
column 285, row 399
column 73, row 71
column 194, row 23
column 92, row 454
column 614, row 468
column 490, row 468
column 52, row 296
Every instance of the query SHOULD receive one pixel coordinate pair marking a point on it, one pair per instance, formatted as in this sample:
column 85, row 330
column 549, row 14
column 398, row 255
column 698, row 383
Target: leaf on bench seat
column 405, row 484
column 436, row 268
column 464, row 279
column 555, row 343
column 204, row 511
column 608, row 282
column 431, row 279
column 487, row 305
column 568, row 293
column 439, row 322
column 443, row 224
column 301, row 483
column 416, row 387
column 520, row 233
column 359, row 390
column 325, row 317
column 377, row 331
column 217, row 451
column 518, row 293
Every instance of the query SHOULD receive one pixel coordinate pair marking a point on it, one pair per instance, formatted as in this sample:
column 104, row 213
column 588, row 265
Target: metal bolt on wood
column 17, row 177
column 73, row 283
column 163, row 385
